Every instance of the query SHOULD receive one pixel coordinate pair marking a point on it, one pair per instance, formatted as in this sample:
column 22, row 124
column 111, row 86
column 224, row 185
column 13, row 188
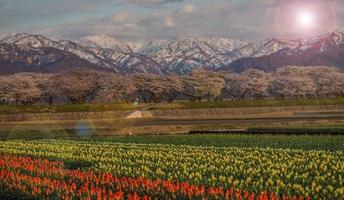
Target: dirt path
column 151, row 122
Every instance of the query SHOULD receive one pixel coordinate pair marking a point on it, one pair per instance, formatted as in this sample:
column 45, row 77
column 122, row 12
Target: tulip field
column 41, row 178
column 67, row 169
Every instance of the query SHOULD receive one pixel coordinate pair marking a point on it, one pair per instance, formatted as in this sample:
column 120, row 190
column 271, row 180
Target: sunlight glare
column 306, row 18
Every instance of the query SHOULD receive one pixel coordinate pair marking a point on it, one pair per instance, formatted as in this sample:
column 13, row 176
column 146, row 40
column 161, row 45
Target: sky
column 249, row 20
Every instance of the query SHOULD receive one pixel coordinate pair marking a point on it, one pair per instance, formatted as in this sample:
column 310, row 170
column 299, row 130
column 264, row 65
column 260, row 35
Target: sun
column 305, row 18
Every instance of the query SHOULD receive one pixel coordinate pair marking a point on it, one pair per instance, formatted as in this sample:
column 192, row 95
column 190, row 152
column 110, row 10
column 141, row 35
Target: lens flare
column 302, row 19
column 85, row 129
column 305, row 18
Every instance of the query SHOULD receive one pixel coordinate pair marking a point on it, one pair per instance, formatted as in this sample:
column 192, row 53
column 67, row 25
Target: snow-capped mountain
column 108, row 42
column 117, row 60
column 225, row 44
column 324, row 50
column 130, row 62
column 35, row 41
column 186, row 54
column 105, row 42
column 135, row 45
column 152, row 46
column 179, row 56
column 15, row 58
column 38, row 41
column 2, row 35
column 335, row 38
column 265, row 47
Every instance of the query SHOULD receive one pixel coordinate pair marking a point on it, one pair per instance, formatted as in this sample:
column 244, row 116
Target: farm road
column 151, row 122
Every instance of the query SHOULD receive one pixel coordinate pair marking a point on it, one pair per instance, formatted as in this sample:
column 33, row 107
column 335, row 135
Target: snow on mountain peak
column 336, row 37
column 2, row 36
column 29, row 40
column 226, row 44
column 14, row 37
column 177, row 56
column 135, row 45
column 266, row 47
column 105, row 41
column 187, row 53
column 151, row 46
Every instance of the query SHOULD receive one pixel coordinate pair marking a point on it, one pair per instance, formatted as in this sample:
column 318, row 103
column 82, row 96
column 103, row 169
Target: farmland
column 277, row 150
column 19, row 109
column 172, row 100
column 304, row 166
column 75, row 184
column 304, row 142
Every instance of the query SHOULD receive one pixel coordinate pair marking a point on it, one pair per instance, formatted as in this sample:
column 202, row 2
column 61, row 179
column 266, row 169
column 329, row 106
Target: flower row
column 43, row 179
column 318, row 174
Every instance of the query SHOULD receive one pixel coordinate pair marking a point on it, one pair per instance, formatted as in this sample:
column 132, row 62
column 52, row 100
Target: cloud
column 148, row 2
column 224, row 18
column 121, row 17
column 189, row 8
column 131, row 26
column 242, row 19
column 169, row 22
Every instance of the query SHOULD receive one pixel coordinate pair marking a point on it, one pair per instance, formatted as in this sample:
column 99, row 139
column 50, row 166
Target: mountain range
column 23, row 52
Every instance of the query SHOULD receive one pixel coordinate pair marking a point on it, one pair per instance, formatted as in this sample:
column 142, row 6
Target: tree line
column 89, row 86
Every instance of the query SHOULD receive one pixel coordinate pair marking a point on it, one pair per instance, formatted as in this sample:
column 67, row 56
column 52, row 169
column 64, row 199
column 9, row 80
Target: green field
column 305, row 142
column 13, row 109
column 250, row 103
column 17, row 109
column 294, row 137
column 311, row 141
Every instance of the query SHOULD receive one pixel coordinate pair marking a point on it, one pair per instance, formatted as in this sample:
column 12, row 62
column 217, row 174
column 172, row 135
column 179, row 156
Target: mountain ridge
column 327, row 50
column 180, row 56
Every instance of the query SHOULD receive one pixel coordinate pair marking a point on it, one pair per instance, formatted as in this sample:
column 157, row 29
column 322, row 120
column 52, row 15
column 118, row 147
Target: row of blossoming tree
column 83, row 86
